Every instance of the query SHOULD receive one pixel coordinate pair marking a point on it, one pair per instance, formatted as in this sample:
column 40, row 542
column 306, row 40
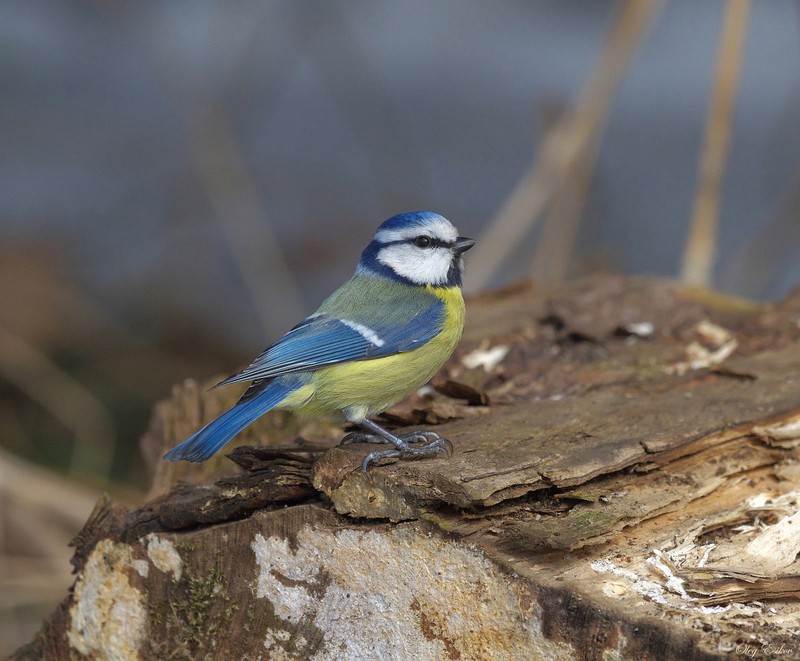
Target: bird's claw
column 420, row 437
column 432, row 439
column 360, row 437
column 375, row 457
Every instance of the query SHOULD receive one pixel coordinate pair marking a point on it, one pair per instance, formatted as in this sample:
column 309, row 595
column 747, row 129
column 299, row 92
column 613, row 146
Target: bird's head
column 419, row 248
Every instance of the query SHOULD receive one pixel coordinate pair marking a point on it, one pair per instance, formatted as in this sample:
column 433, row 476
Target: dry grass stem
column 698, row 258
column 552, row 256
column 568, row 148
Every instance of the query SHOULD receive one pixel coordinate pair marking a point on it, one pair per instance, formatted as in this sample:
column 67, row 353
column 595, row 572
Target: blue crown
column 411, row 219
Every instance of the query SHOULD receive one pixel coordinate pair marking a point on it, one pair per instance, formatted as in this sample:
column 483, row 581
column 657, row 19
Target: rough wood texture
column 624, row 485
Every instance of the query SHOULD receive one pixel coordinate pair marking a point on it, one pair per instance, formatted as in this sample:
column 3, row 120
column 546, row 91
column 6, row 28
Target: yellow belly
column 366, row 387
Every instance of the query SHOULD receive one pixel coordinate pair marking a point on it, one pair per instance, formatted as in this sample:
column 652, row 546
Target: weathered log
column 624, row 485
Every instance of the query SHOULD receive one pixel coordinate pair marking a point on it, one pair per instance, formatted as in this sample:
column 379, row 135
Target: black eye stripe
column 438, row 243
column 435, row 243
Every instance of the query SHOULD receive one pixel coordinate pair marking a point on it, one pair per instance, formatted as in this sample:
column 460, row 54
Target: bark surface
column 625, row 484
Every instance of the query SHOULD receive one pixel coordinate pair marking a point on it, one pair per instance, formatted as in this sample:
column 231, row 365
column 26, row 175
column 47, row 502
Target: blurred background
column 180, row 182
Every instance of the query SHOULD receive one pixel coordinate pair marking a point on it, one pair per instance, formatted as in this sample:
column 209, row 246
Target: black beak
column 463, row 244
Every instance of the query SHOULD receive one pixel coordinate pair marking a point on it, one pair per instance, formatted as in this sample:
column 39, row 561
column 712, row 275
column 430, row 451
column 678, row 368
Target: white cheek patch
column 422, row 266
column 365, row 331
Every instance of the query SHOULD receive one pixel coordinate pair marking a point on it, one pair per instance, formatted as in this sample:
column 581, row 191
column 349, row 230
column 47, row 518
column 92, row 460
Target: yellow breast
column 367, row 387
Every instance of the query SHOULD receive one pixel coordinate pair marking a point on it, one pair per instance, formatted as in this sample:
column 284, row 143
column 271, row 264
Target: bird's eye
column 423, row 241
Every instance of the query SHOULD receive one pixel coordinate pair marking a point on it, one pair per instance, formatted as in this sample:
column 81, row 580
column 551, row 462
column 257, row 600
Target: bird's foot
column 412, row 445
column 414, row 437
column 406, row 448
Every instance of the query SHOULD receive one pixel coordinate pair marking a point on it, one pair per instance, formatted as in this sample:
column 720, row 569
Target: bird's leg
column 433, row 443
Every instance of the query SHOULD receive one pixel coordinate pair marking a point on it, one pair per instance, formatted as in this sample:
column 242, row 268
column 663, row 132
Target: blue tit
column 375, row 340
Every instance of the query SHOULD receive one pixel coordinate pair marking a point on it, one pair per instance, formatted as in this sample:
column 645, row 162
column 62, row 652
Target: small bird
column 376, row 339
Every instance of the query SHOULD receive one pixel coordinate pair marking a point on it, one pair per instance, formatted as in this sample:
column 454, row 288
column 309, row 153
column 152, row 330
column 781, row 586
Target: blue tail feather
column 219, row 431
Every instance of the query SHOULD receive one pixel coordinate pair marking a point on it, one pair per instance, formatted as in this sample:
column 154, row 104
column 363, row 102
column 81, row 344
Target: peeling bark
column 624, row 485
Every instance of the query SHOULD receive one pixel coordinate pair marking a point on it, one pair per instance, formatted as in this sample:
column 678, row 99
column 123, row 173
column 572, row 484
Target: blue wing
column 323, row 340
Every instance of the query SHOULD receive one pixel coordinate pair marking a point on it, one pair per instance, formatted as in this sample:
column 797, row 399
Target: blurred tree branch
column 33, row 373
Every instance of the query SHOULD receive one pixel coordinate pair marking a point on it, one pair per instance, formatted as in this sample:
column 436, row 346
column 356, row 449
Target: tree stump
column 624, row 485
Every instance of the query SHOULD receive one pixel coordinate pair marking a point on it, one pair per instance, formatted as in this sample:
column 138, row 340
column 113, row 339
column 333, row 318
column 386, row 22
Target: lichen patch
column 108, row 615
column 164, row 556
column 423, row 597
column 142, row 567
